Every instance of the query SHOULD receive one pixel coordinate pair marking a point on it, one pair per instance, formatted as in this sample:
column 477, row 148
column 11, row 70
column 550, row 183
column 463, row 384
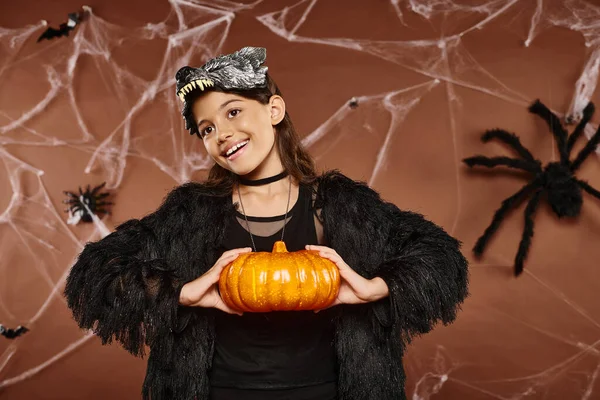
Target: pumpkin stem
column 279, row 247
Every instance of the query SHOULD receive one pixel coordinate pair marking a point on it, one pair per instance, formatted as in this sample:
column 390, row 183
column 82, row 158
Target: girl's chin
column 241, row 170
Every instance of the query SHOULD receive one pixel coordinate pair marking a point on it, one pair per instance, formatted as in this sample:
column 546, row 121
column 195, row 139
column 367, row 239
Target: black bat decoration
column 63, row 30
column 12, row 333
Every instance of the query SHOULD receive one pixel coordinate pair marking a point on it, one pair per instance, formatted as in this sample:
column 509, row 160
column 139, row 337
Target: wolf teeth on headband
column 197, row 84
column 241, row 70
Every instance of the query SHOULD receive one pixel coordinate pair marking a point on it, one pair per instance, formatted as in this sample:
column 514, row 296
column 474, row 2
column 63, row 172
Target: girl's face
column 239, row 133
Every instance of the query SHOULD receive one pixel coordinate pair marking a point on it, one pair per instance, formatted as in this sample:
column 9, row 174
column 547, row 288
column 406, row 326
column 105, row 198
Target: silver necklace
column 287, row 208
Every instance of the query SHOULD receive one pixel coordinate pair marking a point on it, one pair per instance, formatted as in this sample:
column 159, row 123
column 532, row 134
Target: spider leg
column 560, row 134
column 507, row 204
column 102, row 195
column 70, row 194
column 527, row 232
column 491, row 162
column 80, row 191
column 588, row 112
column 589, row 148
column 589, row 189
column 104, row 203
column 510, row 139
column 97, row 188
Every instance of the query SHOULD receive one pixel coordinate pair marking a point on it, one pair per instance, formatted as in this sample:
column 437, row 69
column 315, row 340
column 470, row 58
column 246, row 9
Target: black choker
column 263, row 181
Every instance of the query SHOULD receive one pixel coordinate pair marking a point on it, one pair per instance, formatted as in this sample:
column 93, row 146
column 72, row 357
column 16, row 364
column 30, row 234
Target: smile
column 234, row 149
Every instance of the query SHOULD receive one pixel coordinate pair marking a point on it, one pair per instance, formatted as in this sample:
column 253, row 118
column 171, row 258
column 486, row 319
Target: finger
column 224, row 261
column 213, row 275
column 236, row 251
column 335, row 258
column 356, row 282
column 319, row 248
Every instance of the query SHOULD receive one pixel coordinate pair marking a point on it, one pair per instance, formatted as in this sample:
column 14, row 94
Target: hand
column 203, row 291
column 354, row 289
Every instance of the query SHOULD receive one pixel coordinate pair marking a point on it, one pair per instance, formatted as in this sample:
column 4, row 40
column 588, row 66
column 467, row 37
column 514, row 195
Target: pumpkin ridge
column 306, row 254
column 224, row 288
column 323, row 299
column 298, row 284
column 278, row 261
column 254, row 283
column 244, row 306
column 235, row 285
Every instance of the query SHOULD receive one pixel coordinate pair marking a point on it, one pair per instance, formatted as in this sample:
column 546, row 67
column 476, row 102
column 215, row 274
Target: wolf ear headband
column 241, row 70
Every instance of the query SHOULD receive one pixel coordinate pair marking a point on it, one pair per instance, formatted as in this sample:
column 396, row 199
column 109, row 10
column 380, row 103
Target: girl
column 154, row 281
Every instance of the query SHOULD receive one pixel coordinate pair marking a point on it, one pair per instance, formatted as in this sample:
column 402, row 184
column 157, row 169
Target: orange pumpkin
column 279, row 281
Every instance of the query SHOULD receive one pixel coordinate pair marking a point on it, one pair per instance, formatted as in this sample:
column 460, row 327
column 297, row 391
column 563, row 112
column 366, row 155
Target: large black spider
column 90, row 200
column 557, row 180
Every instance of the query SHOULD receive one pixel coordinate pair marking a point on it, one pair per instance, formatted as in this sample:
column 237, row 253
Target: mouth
column 228, row 153
column 196, row 84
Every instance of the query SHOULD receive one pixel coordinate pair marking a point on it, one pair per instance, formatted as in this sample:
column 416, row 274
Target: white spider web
column 108, row 60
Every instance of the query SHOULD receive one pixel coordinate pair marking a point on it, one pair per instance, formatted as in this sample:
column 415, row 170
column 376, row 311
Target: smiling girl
column 154, row 281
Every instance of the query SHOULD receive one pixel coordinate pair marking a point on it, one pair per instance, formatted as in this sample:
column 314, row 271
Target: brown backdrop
column 429, row 78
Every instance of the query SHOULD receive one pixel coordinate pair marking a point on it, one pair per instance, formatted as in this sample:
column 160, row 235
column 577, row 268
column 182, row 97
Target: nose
column 223, row 135
column 183, row 73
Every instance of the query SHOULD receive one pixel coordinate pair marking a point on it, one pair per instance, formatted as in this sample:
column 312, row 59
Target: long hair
column 295, row 159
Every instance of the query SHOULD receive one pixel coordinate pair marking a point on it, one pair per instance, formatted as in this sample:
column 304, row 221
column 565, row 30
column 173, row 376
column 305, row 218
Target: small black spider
column 557, row 180
column 91, row 199
column 12, row 333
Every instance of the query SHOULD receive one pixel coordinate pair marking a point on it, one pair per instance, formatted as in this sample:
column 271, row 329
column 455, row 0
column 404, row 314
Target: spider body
column 563, row 193
column 556, row 182
column 86, row 203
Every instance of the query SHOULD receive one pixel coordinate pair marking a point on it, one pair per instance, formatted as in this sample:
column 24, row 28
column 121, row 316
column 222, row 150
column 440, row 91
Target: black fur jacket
column 126, row 286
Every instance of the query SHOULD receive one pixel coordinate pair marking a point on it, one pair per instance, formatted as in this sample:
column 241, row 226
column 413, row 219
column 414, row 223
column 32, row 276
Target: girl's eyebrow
column 222, row 106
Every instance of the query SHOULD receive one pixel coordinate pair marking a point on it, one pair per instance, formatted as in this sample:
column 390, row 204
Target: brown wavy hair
column 295, row 159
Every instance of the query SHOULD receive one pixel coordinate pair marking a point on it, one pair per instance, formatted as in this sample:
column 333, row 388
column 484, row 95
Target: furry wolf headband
column 241, row 70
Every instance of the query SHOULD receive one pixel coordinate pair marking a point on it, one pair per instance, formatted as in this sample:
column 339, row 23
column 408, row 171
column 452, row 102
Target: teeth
column 234, row 148
column 197, row 84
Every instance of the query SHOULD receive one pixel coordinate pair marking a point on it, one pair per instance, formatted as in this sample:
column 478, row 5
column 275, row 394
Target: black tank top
column 276, row 350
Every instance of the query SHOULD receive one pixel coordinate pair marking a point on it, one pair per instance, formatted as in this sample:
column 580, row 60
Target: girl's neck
column 269, row 168
column 269, row 185
column 263, row 181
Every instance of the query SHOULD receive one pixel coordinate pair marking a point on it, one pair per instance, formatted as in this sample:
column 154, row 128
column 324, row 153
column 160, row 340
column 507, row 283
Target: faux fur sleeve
column 421, row 264
column 425, row 272
column 123, row 287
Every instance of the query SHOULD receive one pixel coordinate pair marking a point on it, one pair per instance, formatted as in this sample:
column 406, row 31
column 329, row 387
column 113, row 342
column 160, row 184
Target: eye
column 233, row 112
column 206, row 131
